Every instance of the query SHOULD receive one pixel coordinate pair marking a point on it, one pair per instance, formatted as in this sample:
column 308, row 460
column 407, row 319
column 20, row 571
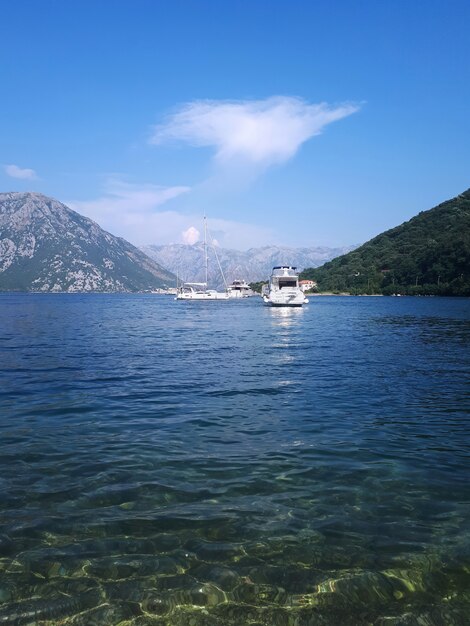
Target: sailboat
column 200, row 291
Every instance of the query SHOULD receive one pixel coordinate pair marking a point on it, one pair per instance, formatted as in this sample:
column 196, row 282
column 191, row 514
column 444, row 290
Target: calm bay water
column 217, row 464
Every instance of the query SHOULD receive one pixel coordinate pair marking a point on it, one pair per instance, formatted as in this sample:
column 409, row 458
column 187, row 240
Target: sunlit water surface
column 190, row 464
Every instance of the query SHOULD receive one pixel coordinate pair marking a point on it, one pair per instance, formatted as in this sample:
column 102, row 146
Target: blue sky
column 288, row 122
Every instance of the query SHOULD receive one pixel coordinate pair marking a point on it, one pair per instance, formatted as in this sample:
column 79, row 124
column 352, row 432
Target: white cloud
column 17, row 172
column 260, row 132
column 128, row 210
column 121, row 197
column 135, row 212
column 191, row 235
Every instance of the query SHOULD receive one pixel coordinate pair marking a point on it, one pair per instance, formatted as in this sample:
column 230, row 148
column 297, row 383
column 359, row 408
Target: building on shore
column 307, row 285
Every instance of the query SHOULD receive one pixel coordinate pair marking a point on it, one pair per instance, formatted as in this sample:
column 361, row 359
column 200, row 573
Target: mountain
column 428, row 255
column 253, row 265
column 45, row 246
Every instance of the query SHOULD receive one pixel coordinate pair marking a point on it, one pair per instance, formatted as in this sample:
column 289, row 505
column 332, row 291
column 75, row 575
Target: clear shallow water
column 219, row 464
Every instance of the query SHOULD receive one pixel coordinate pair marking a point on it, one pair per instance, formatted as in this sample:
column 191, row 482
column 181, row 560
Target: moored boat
column 284, row 289
column 240, row 289
column 199, row 291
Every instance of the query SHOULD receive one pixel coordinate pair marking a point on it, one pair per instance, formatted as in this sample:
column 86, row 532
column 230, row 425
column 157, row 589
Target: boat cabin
column 238, row 285
column 194, row 288
column 285, row 276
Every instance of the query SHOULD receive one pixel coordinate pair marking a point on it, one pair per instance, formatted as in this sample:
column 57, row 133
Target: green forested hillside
column 429, row 255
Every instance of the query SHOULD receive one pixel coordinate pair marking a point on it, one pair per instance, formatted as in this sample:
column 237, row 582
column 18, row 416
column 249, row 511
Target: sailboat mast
column 205, row 249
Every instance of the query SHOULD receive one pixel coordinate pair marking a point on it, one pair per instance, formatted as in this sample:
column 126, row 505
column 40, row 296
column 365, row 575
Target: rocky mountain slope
column 45, row 246
column 253, row 265
column 428, row 255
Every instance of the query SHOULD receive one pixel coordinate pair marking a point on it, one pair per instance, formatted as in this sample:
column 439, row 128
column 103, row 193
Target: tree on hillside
column 428, row 255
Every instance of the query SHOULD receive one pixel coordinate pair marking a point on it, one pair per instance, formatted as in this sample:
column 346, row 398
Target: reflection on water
column 286, row 317
column 234, row 464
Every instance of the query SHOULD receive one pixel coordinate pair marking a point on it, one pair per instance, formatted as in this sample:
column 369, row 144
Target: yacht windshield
column 287, row 282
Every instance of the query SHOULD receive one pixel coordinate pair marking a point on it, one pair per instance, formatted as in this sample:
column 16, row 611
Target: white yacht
column 283, row 289
column 199, row 291
column 240, row 289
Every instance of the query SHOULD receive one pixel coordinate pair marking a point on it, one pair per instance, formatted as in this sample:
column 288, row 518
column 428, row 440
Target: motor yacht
column 240, row 289
column 283, row 288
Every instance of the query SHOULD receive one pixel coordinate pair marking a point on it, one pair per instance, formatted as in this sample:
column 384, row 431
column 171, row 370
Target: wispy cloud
column 120, row 196
column 19, row 172
column 260, row 132
column 247, row 137
column 136, row 212
column 128, row 210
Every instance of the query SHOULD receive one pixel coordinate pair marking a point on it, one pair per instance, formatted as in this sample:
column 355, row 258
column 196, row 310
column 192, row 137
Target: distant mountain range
column 253, row 265
column 45, row 246
column 428, row 255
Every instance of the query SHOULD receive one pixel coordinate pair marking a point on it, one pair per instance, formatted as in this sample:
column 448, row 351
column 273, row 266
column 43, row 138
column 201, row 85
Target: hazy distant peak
column 252, row 265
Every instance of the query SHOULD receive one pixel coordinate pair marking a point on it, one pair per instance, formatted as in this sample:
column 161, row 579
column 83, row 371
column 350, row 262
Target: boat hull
column 239, row 294
column 220, row 298
column 291, row 306
column 203, row 296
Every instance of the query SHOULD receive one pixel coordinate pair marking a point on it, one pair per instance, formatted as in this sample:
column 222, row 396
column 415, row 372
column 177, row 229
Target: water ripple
column 227, row 465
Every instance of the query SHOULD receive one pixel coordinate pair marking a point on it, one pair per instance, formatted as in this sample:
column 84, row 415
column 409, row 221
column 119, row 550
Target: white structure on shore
column 307, row 285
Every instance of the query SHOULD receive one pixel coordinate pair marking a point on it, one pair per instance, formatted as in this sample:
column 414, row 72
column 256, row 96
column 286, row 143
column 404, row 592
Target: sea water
column 225, row 463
